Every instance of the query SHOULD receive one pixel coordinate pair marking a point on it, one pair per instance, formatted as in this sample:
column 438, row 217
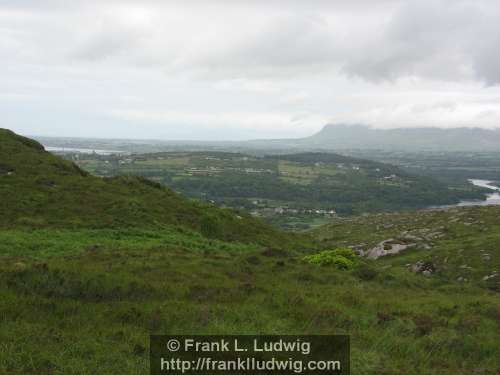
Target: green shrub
column 341, row 258
column 211, row 226
column 365, row 272
column 42, row 281
column 346, row 253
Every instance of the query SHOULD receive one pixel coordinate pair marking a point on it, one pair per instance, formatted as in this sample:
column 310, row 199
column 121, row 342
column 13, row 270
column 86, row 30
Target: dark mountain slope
column 41, row 190
column 363, row 137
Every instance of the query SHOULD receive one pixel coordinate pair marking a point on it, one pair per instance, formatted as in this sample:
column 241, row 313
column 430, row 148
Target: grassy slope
column 41, row 190
column 83, row 297
column 461, row 242
column 91, row 309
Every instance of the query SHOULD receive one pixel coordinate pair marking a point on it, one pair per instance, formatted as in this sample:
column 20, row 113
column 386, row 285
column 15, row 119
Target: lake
column 83, row 150
column 491, row 199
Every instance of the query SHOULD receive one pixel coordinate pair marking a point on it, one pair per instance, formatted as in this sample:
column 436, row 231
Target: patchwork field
column 296, row 191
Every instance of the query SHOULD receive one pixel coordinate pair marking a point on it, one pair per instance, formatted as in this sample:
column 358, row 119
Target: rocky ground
column 459, row 244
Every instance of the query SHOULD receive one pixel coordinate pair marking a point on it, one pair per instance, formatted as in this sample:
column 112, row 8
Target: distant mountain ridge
column 342, row 136
column 332, row 137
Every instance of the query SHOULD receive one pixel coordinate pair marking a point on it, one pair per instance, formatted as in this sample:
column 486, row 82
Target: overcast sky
column 239, row 69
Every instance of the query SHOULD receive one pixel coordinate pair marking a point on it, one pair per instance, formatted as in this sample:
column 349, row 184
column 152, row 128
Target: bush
column 341, row 258
column 211, row 226
column 365, row 272
column 346, row 253
column 42, row 281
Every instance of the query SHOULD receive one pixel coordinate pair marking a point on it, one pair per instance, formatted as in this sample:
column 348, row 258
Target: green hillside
column 90, row 267
column 41, row 190
column 85, row 301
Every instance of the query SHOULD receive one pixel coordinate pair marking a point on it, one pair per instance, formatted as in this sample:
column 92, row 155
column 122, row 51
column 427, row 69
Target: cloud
column 249, row 123
column 430, row 39
column 254, row 66
column 426, row 39
column 247, row 85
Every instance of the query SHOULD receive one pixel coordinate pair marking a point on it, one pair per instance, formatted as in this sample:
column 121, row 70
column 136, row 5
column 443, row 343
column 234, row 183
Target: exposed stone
column 387, row 247
column 487, row 277
column 486, row 257
column 423, row 267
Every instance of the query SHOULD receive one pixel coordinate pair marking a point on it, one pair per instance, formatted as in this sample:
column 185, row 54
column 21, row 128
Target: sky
column 245, row 69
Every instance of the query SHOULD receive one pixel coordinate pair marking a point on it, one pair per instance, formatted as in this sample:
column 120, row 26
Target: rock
column 360, row 252
column 387, row 247
column 425, row 268
column 486, row 257
column 487, row 277
column 417, row 267
column 411, row 237
column 358, row 249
